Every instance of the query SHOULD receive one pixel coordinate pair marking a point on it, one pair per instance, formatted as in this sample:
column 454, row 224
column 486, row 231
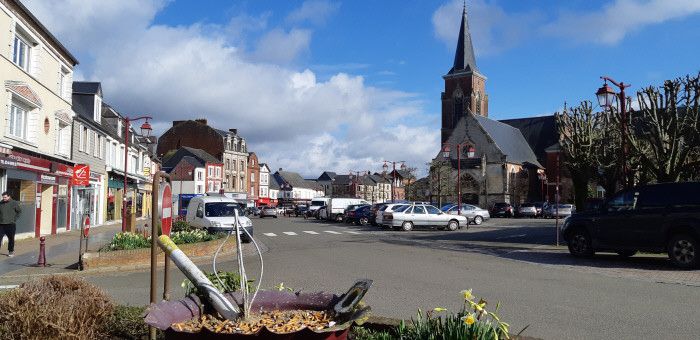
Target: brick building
column 253, row 175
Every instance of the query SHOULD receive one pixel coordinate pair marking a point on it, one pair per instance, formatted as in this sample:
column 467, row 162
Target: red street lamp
column 446, row 155
column 393, row 173
column 607, row 98
column 146, row 132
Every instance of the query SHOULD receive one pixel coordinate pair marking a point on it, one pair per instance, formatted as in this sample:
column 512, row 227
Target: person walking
column 9, row 213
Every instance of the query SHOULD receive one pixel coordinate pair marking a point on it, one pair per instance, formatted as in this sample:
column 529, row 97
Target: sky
column 342, row 86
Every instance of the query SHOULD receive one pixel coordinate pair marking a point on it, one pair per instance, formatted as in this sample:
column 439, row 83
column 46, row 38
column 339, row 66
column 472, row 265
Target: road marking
column 354, row 232
column 290, row 233
column 270, row 234
column 310, row 232
column 331, row 232
column 9, row 286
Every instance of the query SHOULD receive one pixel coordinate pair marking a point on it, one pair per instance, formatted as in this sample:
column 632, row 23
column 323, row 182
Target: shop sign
column 81, row 175
column 35, row 164
column 146, row 171
column 46, row 179
column 7, row 163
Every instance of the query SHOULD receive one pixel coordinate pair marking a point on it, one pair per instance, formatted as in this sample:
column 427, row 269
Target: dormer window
column 119, row 127
column 97, row 112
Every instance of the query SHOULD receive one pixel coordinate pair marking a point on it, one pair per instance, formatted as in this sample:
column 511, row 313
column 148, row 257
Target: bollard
column 42, row 252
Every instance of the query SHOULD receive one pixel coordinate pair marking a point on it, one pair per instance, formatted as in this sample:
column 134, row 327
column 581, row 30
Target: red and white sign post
column 165, row 205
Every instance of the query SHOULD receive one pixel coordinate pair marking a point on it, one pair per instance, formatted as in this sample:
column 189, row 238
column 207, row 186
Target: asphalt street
column 511, row 261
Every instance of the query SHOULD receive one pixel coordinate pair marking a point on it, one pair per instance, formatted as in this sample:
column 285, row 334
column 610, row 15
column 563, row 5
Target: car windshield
column 501, row 205
column 399, row 208
column 527, row 205
column 448, row 207
column 317, row 203
column 221, row 209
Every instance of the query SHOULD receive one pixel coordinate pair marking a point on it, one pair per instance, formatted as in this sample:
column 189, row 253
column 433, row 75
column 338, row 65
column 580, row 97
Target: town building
column 274, row 191
column 496, row 163
column 202, row 172
column 264, row 192
column 326, row 181
column 294, row 189
column 226, row 146
column 253, row 176
column 36, row 72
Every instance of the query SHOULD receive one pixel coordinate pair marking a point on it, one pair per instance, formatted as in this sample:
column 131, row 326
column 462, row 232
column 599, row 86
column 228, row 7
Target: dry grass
column 55, row 307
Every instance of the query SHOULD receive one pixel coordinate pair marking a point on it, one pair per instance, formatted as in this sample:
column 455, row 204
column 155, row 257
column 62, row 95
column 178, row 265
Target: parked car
column 446, row 207
column 336, row 207
column 658, row 218
column 539, row 206
column 268, row 212
column 564, row 210
column 387, row 209
column 218, row 214
column 373, row 212
column 527, row 210
column 475, row 214
column 422, row 215
column 502, row 209
column 280, row 210
column 300, row 210
column 317, row 203
column 351, row 209
column 360, row 215
column 253, row 211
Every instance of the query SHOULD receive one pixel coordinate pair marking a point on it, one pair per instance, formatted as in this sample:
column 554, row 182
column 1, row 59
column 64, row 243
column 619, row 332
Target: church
column 499, row 161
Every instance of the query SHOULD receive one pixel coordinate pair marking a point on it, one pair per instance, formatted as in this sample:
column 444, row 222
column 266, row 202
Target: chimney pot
column 201, row 121
column 234, row 131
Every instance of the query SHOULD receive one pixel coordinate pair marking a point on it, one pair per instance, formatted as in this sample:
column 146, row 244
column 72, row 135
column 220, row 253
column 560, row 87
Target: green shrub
column 127, row 240
column 361, row 333
column 181, row 225
column 54, row 307
column 230, row 282
column 192, row 236
column 126, row 322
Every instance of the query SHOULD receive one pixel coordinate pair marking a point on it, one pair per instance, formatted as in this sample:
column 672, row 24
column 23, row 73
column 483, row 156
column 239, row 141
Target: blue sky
column 341, row 85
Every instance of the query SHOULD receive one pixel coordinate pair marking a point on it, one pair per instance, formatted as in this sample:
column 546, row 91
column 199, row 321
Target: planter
column 139, row 258
column 163, row 314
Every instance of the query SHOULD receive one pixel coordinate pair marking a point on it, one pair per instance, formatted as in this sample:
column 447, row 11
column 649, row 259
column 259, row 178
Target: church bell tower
column 465, row 87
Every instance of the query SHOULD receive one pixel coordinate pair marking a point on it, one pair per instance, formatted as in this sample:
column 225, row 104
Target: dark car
column 300, row 210
column 350, row 208
column 658, row 218
column 502, row 209
column 253, row 211
column 361, row 215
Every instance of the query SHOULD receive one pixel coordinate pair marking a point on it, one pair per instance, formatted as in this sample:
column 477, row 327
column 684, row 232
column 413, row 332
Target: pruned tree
column 608, row 150
column 442, row 182
column 578, row 129
column 665, row 130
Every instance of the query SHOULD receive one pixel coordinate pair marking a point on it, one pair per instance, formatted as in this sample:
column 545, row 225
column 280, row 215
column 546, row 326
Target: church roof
column 464, row 55
column 540, row 132
column 509, row 140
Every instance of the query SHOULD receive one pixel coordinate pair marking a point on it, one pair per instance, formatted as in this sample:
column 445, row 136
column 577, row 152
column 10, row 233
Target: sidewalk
column 61, row 250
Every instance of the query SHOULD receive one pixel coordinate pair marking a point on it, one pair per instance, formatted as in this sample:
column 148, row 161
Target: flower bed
column 128, row 241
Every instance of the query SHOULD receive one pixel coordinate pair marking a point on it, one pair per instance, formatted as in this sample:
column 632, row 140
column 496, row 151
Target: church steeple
column 464, row 56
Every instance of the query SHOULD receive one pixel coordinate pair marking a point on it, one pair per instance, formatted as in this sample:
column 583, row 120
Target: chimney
column 201, row 121
column 234, row 131
column 280, row 170
column 178, row 122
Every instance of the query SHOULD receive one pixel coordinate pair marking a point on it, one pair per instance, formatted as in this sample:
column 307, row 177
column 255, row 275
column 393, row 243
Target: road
column 512, row 261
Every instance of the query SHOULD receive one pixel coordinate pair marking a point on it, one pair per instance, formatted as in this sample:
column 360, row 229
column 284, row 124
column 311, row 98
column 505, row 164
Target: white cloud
column 492, row 29
column 314, row 11
column 279, row 46
column 289, row 117
column 614, row 21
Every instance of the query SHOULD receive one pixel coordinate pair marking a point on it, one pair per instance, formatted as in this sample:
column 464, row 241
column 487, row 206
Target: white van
column 318, row 202
column 336, row 207
column 217, row 214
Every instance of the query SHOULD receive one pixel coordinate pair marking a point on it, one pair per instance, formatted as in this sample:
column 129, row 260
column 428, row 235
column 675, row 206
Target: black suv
column 658, row 218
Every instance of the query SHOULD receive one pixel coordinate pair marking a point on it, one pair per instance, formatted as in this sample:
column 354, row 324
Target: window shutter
column 35, row 61
column 65, row 140
column 33, row 126
column 80, row 137
column 56, row 132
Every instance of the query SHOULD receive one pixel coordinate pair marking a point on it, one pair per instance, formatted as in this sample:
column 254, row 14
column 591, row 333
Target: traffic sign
column 86, row 225
column 165, row 208
column 81, row 175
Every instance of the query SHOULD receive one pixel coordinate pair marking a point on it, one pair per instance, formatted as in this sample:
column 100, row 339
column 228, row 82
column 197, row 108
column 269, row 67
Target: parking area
column 531, row 241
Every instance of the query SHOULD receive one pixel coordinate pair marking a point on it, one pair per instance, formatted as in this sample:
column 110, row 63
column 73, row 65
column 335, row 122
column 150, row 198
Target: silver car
column 475, row 214
column 389, row 208
column 527, row 210
column 565, row 210
column 422, row 215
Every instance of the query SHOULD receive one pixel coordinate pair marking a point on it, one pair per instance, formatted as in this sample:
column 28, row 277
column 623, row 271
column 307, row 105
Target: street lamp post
column 393, row 173
column 446, row 156
column 146, row 132
column 606, row 99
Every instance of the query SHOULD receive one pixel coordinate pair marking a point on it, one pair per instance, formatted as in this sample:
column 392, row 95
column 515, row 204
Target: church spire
column 464, row 56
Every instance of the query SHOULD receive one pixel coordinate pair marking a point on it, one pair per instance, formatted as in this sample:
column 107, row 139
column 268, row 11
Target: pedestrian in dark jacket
column 9, row 213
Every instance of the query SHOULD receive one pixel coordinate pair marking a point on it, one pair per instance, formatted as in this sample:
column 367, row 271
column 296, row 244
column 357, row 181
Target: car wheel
column 452, row 225
column 364, row 220
column 683, row 251
column 626, row 253
column 339, row 218
column 478, row 219
column 274, row 216
column 407, row 226
column 580, row 243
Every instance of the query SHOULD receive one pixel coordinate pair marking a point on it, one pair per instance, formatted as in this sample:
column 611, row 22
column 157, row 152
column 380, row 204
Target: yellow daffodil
column 439, row 309
column 467, row 294
column 479, row 306
column 469, row 319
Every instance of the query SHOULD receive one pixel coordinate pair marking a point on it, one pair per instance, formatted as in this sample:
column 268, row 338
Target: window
column 432, row 210
column 218, row 172
column 199, row 175
column 228, row 164
column 119, row 127
column 63, row 83
column 622, row 202
column 18, row 121
column 21, row 51
column 252, row 177
column 199, row 188
column 96, row 148
column 210, row 171
column 97, row 110
column 419, row 209
column 63, row 139
column 242, row 166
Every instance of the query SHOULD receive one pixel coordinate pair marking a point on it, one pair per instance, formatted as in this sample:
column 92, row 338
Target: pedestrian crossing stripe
column 290, row 233
column 331, row 232
column 310, row 232
column 354, row 232
column 270, row 234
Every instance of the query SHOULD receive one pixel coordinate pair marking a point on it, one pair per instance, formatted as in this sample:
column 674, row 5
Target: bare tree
column 665, row 130
column 578, row 129
column 608, row 146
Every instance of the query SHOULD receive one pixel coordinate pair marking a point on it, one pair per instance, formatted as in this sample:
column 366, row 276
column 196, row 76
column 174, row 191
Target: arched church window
column 458, row 97
column 477, row 102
